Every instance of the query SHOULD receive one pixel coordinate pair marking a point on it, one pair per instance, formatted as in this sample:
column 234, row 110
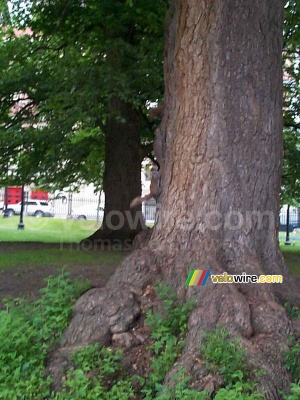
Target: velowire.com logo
column 197, row 277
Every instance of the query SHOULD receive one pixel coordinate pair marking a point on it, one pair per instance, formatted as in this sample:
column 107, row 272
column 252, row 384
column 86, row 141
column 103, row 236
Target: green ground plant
column 292, row 310
column 180, row 391
column 169, row 327
column 28, row 331
column 226, row 356
column 292, row 356
column 292, row 359
column 95, row 367
column 295, row 392
column 98, row 375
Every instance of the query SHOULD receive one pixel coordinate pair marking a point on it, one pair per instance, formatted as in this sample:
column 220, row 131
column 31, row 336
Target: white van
column 36, row 208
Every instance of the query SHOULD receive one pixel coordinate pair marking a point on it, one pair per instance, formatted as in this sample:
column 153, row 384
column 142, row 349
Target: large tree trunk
column 220, row 203
column 122, row 178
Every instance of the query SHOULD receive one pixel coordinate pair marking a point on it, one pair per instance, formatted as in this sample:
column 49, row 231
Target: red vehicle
column 13, row 195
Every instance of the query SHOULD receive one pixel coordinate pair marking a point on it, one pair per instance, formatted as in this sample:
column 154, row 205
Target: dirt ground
column 26, row 281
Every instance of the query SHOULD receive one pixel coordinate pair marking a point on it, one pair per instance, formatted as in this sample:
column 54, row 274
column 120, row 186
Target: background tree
column 290, row 190
column 223, row 153
column 64, row 68
column 291, row 79
column 88, row 71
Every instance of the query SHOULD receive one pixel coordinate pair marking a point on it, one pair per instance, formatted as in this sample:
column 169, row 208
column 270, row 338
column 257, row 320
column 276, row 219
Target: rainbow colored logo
column 197, row 277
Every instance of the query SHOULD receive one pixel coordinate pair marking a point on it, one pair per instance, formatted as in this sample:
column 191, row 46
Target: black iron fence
column 73, row 206
column 294, row 218
column 149, row 210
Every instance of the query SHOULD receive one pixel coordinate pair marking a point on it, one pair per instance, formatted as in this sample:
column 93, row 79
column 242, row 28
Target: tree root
column 254, row 317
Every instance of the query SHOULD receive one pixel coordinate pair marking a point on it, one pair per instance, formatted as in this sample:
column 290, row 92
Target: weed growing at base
column 169, row 327
column 225, row 356
column 292, row 356
column 28, row 331
column 98, row 374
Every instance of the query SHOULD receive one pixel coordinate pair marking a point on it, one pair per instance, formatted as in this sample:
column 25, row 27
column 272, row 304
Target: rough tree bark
column 122, row 178
column 223, row 127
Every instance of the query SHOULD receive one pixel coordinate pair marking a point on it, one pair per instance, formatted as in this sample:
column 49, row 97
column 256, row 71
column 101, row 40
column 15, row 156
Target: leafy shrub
column 238, row 392
column 27, row 331
column 292, row 359
column 180, row 391
column 295, row 392
column 169, row 327
column 292, row 310
column 98, row 374
column 226, row 356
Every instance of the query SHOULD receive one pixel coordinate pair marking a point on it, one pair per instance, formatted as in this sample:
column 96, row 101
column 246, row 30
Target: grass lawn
column 291, row 252
column 46, row 230
column 65, row 232
column 57, row 256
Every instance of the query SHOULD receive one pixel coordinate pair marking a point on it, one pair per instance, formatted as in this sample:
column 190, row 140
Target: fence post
column 21, row 223
column 287, row 239
column 69, row 216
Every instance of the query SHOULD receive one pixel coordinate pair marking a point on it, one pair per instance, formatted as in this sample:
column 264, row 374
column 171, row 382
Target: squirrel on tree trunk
column 155, row 185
